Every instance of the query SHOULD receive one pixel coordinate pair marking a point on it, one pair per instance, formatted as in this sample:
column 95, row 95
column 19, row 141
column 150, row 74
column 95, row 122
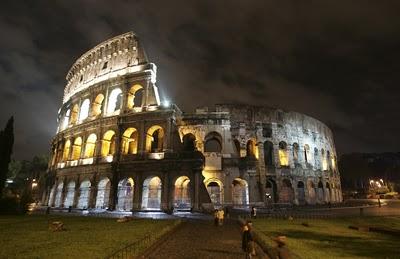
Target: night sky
column 337, row 61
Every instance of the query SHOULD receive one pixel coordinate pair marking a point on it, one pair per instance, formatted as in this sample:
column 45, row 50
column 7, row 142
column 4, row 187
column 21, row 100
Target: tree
column 6, row 146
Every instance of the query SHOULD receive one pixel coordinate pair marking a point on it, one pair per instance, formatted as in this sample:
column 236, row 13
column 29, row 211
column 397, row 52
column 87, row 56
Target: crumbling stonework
column 118, row 148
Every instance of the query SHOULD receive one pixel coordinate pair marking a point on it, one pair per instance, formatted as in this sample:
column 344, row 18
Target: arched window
column 135, row 96
column 307, row 153
column 215, row 191
column 90, row 146
column 155, row 139
column 97, row 106
column 324, row 160
column 114, row 102
column 189, row 142
column 66, row 119
column 74, row 114
column 182, row 193
column 76, row 149
column 84, row 111
column 213, row 143
column 268, row 153
column 283, row 154
column 295, row 152
column 67, row 148
column 129, row 141
column 251, row 149
column 108, row 144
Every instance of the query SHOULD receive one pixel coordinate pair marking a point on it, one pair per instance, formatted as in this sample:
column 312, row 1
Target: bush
column 9, row 205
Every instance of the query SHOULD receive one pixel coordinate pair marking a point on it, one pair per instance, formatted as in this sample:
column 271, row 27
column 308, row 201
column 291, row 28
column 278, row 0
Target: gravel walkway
column 201, row 239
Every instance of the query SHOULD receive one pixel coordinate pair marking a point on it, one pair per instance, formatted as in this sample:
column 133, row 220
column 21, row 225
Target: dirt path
column 201, row 239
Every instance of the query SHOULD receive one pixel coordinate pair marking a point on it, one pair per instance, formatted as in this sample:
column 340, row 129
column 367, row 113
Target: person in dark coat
column 247, row 240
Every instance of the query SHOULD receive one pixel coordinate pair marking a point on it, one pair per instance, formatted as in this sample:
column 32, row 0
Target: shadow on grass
column 376, row 246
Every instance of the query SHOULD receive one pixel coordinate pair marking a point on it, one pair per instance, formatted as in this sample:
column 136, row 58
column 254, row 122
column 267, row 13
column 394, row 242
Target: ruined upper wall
column 117, row 56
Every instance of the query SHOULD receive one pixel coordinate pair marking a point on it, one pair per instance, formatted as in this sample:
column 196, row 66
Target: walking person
column 248, row 245
column 216, row 218
column 253, row 212
column 220, row 217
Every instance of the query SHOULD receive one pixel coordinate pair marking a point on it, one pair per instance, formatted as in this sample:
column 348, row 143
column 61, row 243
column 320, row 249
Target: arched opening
column 306, row 153
column 74, row 114
column 69, row 198
column 182, row 193
column 59, row 195
column 329, row 160
column 286, row 195
column 66, row 119
column 125, row 194
column 327, row 192
column 129, row 141
column 135, row 96
column 271, row 190
column 296, row 152
column 320, row 192
column 283, row 154
column 311, row 192
column 97, row 106
column 268, row 153
column 90, row 146
column 215, row 191
column 114, row 102
column 213, row 142
column 151, row 198
column 108, row 144
column 301, row 197
column 189, row 143
column 103, row 193
column 76, row 149
column 251, row 149
column 67, row 148
column 155, row 139
column 240, row 192
column 84, row 194
column 84, row 111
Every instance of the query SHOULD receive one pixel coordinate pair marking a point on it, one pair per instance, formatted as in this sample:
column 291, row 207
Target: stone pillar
column 77, row 193
column 93, row 193
column 137, row 195
column 165, row 192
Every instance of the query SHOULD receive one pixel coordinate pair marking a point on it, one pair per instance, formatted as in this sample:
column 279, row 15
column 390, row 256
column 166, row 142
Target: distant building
column 119, row 148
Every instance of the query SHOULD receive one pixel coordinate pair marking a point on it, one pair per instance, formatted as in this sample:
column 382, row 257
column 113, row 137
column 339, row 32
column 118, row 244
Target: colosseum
column 119, row 147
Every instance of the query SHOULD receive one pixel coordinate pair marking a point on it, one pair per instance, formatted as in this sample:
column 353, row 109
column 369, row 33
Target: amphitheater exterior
column 118, row 147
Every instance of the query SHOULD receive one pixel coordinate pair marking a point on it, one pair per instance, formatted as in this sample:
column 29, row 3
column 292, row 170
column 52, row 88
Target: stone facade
column 118, row 148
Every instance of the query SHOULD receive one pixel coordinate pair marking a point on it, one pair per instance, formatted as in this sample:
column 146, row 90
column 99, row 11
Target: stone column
column 137, row 195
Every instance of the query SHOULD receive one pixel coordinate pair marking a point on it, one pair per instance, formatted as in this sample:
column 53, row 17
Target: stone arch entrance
column 271, row 191
column 103, row 193
column 69, row 198
column 84, row 194
column 125, row 194
column 240, row 192
column 286, row 194
column 311, row 192
column 151, row 198
column 327, row 192
column 58, row 200
column 301, row 197
column 320, row 192
column 214, row 188
column 182, row 193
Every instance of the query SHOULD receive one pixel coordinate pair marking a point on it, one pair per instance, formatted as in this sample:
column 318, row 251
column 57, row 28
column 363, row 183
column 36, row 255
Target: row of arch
column 88, row 109
column 75, row 149
column 308, row 193
column 151, row 194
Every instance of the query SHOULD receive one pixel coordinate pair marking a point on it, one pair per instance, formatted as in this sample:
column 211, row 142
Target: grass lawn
column 331, row 238
column 85, row 237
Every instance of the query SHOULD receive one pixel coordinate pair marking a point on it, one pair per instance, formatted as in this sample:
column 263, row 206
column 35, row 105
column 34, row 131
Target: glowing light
column 109, row 158
column 166, row 103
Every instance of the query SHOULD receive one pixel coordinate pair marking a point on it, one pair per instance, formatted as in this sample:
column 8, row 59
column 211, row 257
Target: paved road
column 201, row 239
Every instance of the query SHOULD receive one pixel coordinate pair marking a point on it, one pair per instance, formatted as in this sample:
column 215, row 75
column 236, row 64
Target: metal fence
column 133, row 249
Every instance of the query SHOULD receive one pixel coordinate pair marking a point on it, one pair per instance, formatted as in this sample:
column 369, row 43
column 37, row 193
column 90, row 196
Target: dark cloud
column 334, row 60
